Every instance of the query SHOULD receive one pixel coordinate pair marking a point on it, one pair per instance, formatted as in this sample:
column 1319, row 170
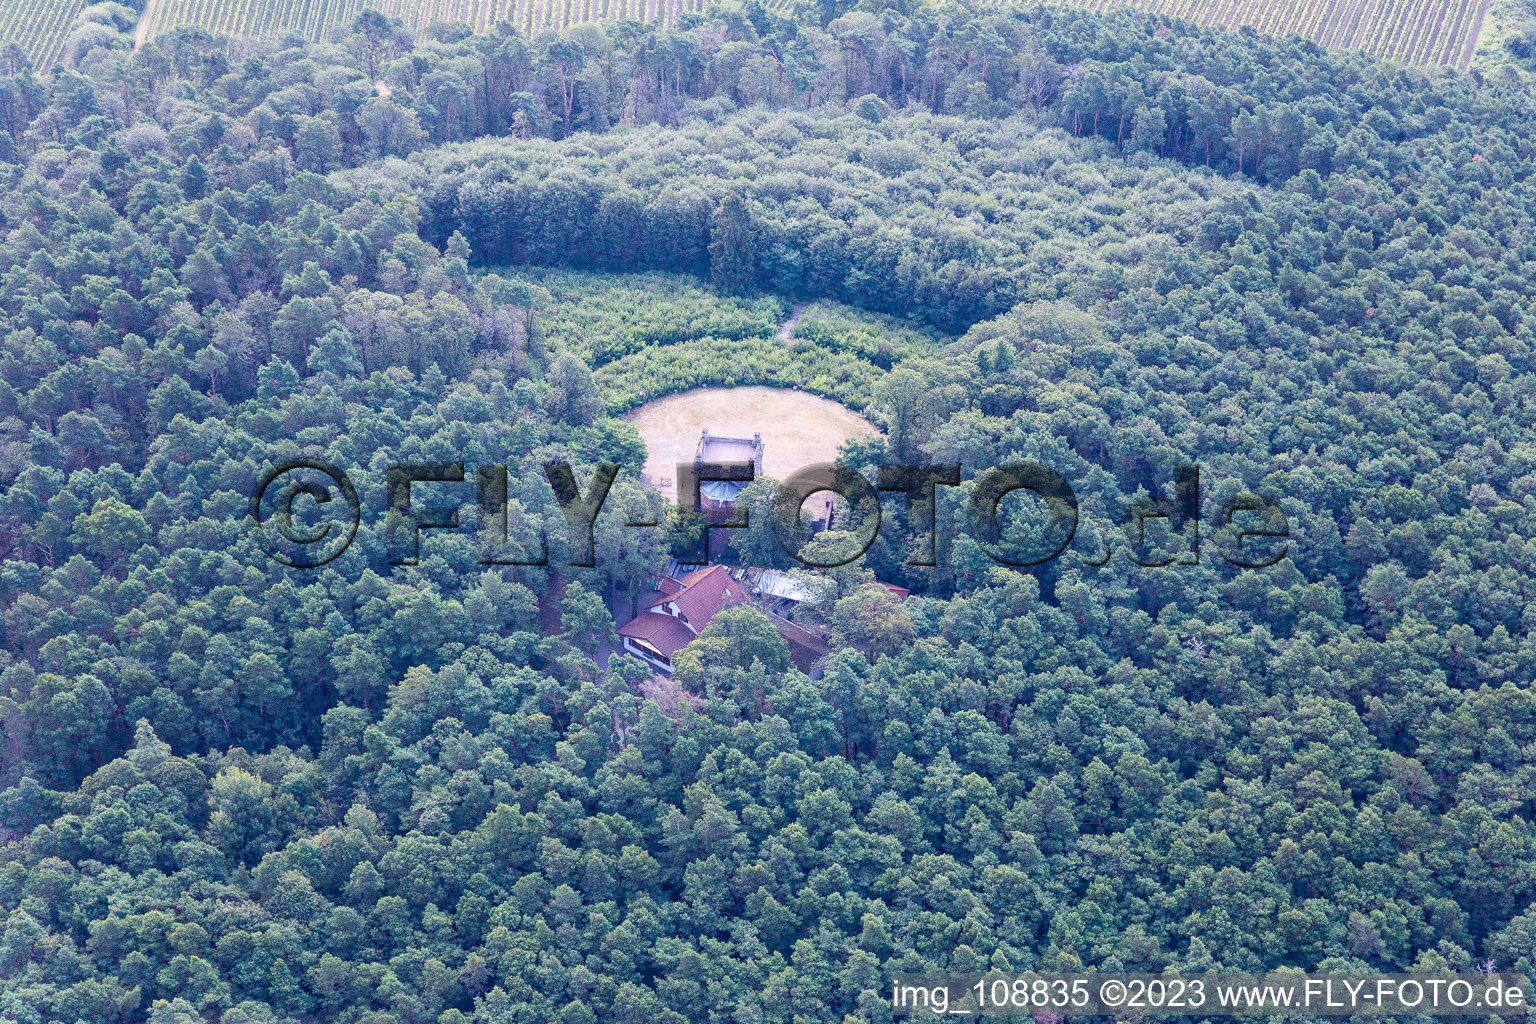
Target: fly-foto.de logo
column 307, row 512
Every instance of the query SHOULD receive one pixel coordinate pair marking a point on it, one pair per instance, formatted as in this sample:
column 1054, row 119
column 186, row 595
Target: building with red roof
column 680, row 609
column 677, row 612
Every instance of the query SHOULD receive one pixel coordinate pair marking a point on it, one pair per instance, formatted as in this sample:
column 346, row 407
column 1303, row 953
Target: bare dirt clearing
column 798, row 428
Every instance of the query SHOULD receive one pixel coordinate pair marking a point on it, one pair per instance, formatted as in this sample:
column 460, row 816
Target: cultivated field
column 798, row 428
column 40, row 26
column 314, row 18
column 1442, row 32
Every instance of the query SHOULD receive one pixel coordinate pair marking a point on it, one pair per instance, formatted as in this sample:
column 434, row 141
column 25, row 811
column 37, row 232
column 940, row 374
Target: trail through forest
column 787, row 328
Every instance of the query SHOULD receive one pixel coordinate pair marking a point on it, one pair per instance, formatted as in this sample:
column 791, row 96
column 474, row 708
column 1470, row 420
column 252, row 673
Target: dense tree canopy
column 372, row 792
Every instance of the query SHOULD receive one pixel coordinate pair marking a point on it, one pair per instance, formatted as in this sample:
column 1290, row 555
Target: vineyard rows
column 1442, row 32
column 40, row 26
column 314, row 18
column 1439, row 32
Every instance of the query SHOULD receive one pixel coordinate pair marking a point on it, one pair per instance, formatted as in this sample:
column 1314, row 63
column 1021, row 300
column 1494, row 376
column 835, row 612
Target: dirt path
column 549, row 606
column 798, row 428
column 787, row 328
column 141, row 31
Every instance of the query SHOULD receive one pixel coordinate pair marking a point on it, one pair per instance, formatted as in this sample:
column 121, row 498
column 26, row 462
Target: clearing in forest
column 798, row 428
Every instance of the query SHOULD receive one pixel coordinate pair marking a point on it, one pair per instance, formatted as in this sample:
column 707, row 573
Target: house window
column 646, row 651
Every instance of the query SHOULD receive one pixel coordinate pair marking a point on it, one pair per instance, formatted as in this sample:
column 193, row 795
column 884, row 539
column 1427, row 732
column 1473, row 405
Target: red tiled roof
column 702, row 594
column 901, row 593
column 662, row 632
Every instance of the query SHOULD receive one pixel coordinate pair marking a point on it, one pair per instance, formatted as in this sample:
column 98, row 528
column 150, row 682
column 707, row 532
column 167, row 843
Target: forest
column 233, row 792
